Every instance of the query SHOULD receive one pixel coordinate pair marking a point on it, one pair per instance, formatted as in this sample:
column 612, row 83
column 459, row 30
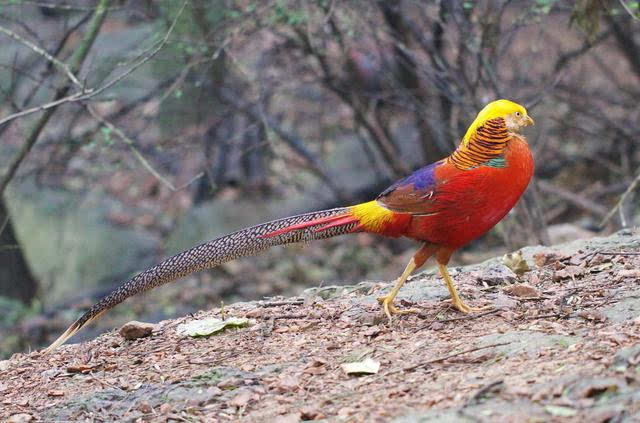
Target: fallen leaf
column 364, row 367
column 20, row 418
column 593, row 315
column 516, row 262
column 206, row 327
column 80, row 368
column 559, row 411
column 309, row 412
column 146, row 408
column 548, row 257
column 523, row 291
column 568, row 272
column 601, row 267
column 55, row 393
column 629, row 273
column 241, row 400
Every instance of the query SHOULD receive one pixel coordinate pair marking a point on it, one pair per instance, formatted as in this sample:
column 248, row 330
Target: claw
column 464, row 308
column 389, row 309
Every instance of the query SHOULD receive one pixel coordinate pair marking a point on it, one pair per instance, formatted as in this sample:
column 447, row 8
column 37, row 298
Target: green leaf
column 207, row 327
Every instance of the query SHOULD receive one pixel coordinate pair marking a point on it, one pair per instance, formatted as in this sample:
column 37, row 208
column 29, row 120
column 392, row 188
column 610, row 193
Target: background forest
column 132, row 130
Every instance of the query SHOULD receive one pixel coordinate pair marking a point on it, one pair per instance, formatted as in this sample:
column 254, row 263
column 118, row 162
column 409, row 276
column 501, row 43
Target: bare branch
column 88, row 93
column 63, row 66
column 626, row 7
column 75, row 63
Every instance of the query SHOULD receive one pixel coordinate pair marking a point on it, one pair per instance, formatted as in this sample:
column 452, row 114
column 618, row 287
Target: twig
column 626, row 7
column 620, row 253
column 281, row 303
column 132, row 146
column 446, row 357
column 293, row 316
column 65, row 67
column 470, row 317
column 622, row 199
column 483, row 391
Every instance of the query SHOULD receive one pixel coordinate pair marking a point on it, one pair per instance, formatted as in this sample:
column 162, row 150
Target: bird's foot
column 389, row 309
column 464, row 308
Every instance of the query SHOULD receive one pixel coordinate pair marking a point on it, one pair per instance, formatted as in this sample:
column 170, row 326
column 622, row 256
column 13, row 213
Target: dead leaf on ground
column 601, row 267
column 309, row 412
column 546, row 258
column 522, row 290
column 568, row 272
column 593, row 315
column 55, row 393
column 629, row 273
column 367, row 366
column 242, row 399
column 80, row 368
column 20, row 418
column 516, row 262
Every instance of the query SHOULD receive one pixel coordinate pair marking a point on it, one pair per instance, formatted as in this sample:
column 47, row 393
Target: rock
column 495, row 275
column 135, row 330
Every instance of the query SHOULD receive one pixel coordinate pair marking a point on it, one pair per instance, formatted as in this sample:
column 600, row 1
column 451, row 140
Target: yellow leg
column 416, row 262
column 387, row 300
column 455, row 298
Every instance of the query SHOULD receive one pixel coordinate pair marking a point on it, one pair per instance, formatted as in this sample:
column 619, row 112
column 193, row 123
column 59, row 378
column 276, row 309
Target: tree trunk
column 16, row 280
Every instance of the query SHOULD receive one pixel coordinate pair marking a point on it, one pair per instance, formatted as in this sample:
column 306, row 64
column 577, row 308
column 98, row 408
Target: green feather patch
column 496, row 162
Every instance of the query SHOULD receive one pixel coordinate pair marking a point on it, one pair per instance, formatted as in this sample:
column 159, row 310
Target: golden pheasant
column 443, row 206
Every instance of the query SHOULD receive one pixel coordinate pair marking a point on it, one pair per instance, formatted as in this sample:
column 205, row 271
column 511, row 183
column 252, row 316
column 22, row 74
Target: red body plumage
column 470, row 202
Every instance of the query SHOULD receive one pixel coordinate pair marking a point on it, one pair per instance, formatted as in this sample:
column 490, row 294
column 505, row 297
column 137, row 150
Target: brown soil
column 562, row 344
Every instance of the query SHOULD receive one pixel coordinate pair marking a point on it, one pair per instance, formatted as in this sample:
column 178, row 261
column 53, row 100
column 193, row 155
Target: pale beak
column 528, row 121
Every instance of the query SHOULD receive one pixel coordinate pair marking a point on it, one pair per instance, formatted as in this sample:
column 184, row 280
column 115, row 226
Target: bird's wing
column 415, row 194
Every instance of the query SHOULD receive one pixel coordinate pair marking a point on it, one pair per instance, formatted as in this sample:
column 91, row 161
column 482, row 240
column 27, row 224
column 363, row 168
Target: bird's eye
column 518, row 114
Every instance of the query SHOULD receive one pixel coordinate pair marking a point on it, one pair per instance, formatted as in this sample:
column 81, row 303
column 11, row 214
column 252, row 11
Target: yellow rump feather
column 372, row 216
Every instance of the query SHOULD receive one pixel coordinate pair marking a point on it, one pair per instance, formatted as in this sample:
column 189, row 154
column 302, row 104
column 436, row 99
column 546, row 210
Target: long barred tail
column 246, row 242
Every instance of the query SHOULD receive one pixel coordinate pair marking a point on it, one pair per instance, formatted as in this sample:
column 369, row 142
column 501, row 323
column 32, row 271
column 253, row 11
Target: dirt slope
column 562, row 344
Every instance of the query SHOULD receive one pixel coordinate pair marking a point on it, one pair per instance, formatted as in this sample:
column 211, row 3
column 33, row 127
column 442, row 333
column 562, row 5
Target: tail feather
column 319, row 224
column 245, row 242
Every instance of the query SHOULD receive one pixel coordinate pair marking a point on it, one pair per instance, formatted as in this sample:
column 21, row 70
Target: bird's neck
column 485, row 146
